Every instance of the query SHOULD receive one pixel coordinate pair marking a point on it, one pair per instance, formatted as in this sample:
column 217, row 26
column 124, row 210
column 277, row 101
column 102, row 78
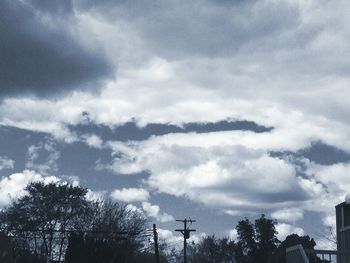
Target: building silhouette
column 297, row 254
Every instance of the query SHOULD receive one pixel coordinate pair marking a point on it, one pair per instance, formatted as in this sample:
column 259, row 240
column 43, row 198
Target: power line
column 31, row 233
column 186, row 232
column 72, row 231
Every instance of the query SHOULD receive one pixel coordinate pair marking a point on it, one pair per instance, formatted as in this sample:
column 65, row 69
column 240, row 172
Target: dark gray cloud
column 319, row 153
column 325, row 154
column 38, row 55
column 130, row 130
column 62, row 7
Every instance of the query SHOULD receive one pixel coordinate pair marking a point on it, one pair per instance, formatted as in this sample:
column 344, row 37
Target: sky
column 215, row 110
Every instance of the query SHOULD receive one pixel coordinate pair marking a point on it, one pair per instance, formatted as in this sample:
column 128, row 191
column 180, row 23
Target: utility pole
column 155, row 237
column 186, row 234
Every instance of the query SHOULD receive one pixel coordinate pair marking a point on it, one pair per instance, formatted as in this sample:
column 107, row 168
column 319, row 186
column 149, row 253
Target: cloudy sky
column 213, row 110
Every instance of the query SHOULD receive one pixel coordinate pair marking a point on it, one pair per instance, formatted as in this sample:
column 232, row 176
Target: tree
column 5, row 249
column 256, row 243
column 213, row 250
column 292, row 240
column 46, row 215
column 114, row 236
column 266, row 239
column 246, row 245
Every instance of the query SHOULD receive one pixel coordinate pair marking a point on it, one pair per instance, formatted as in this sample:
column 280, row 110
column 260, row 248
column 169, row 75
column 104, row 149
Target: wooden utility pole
column 186, row 234
column 155, row 237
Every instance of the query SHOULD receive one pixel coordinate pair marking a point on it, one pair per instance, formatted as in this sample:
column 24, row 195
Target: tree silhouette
column 5, row 248
column 292, row 240
column 266, row 238
column 213, row 250
column 114, row 236
column 246, row 245
column 258, row 242
column 46, row 215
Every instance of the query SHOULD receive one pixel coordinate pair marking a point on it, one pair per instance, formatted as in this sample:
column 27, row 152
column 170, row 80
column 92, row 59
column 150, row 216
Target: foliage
column 266, row 239
column 45, row 216
column 246, row 245
column 256, row 243
column 292, row 240
column 113, row 237
column 57, row 220
column 213, row 250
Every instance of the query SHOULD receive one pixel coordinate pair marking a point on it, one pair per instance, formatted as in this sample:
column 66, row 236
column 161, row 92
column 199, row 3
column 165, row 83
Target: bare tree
column 115, row 233
column 329, row 235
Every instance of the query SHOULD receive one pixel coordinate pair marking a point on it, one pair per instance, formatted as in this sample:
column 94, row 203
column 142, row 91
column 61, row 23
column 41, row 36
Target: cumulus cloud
column 288, row 214
column 328, row 186
column 130, row 194
column 280, row 64
column 169, row 236
column 12, row 187
column 217, row 169
column 176, row 240
column 134, row 208
column 332, row 175
column 210, row 170
column 237, row 178
column 232, row 234
column 154, row 211
column 208, row 87
column 95, row 195
column 93, row 140
column 286, row 229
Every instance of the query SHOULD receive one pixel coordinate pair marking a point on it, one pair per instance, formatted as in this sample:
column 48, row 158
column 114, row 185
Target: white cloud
column 37, row 115
column 133, row 208
column 288, row 214
column 217, row 173
column 232, row 234
column 327, row 187
column 154, row 211
column 289, row 71
column 232, row 174
column 334, row 176
column 43, row 158
column 286, row 229
column 95, row 195
column 93, row 140
column 169, row 236
column 12, row 187
column 6, row 163
column 175, row 239
column 303, row 97
column 130, row 194
column 324, row 244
